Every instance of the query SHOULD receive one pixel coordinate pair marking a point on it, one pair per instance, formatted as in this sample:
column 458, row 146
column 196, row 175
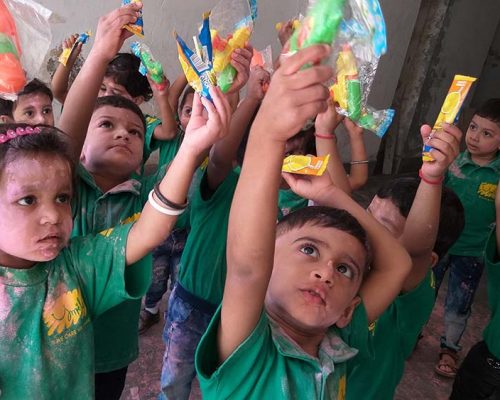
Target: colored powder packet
column 66, row 53
column 198, row 66
column 138, row 27
column 149, row 64
column 305, row 165
column 452, row 104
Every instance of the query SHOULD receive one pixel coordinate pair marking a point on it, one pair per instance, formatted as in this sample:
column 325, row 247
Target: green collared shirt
column 167, row 148
column 476, row 188
column 270, row 365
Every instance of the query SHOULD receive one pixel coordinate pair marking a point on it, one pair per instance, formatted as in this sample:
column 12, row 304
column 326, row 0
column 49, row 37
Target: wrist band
column 167, row 202
column 438, row 182
column 325, row 136
column 161, row 209
column 360, row 162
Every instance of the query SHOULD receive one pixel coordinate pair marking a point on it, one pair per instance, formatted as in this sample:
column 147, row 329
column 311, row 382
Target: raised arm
column 294, row 96
column 83, row 93
column 422, row 224
column 176, row 90
column 167, row 130
column 202, row 131
column 326, row 143
column 224, row 152
column 60, row 80
column 359, row 160
column 391, row 263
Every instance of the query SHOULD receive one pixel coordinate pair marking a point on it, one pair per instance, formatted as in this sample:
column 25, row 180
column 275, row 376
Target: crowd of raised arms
column 282, row 286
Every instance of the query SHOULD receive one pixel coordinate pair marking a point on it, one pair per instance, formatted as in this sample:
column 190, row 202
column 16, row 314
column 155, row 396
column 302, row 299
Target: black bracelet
column 166, row 201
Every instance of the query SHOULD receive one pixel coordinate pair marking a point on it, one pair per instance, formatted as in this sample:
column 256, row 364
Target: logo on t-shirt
column 487, row 190
column 65, row 312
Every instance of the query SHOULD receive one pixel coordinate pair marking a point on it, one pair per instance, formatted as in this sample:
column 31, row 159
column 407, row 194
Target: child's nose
column 50, row 215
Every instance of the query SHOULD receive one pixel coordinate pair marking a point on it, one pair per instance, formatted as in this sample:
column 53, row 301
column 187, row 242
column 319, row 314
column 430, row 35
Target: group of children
column 282, row 285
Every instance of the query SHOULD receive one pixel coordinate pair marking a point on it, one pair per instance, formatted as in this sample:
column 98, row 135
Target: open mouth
column 314, row 296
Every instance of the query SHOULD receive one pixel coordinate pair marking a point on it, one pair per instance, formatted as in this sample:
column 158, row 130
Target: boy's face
column 35, row 194
column 316, row 275
column 114, row 143
column 186, row 110
column 483, row 137
column 388, row 215
column 34, row 109
column 110, row 88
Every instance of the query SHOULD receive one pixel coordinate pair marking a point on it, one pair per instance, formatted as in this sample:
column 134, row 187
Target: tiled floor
column 419, row 382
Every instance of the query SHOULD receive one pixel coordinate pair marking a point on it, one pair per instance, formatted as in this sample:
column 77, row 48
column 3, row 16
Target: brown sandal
column 444, row 362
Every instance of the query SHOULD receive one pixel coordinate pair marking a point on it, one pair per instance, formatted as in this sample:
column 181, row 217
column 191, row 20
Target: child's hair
column 6, row 107
column 326, row 217
column 120, row 102
column 490, row 110
column 124, row 70
column 188, row 89
column 36, row 86
column 50, row 140
column 402, row 192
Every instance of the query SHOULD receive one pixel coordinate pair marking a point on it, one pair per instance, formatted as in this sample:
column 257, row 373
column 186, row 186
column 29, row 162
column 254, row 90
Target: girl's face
column 36, row 223
column 186, row 109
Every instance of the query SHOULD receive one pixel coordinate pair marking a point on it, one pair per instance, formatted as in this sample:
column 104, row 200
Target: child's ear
column 4, row 119
column 139, row 100
column 346, row 316
column 434, row 259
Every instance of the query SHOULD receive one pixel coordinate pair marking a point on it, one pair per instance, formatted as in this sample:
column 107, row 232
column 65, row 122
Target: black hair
column 402, row 192
column 121, row 102
column 326, row 217
column 6, row 107
column 490, row 110
column 50, row 140
column 451, row 222
column 124, row 70
column 34, row 87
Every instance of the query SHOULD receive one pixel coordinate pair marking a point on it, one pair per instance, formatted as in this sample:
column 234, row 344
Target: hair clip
column 20, row 131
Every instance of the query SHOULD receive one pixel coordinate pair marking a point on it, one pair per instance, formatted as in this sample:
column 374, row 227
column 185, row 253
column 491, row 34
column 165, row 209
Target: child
column 479, row 375
column 474, row 177
column 411, row 211
column 202, row 272
column 286, row 288
column 34, row 104
column 50, row 291
column 6, row 111
column 110, row 192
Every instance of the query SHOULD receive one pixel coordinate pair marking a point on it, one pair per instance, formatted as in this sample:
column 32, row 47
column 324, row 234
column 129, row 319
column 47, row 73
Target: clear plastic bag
column 231, row 23
column 25, row 37
column 263, row 58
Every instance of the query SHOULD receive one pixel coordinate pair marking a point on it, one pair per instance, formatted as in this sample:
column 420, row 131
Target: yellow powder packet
column 305, row 165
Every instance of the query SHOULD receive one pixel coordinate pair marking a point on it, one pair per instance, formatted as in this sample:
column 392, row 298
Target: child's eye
column 105, row 124
column 345, row 270
column 47, row 110
column 103, row 89
column 187, row 112
column 26, row 201
column 472, row 126
column 487, row 134
column 135, row 132
column 310, row 250
column 29, row 114
column 63, row 198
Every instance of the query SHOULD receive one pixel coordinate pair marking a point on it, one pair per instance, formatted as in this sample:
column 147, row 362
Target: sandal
column 447, row 365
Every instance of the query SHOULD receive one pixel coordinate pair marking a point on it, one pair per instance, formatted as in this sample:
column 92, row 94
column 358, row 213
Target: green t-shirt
column 202, row 269
column 46, row 338
column 116, row 335
column 167, row 148
column 491, row 334
column 394, row 336
column 269, row 365
column 476, row 187
column 289, row 202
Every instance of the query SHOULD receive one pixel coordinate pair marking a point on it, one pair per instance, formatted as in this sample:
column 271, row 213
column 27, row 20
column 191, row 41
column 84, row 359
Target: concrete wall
column 162, row 16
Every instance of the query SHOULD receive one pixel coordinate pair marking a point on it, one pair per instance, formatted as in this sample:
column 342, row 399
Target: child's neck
column 107, row 182
column 482, row 160
column 9, row 261
column 307, row 341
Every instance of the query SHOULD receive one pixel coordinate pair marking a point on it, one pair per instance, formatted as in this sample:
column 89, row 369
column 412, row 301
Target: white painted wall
column 161, row 17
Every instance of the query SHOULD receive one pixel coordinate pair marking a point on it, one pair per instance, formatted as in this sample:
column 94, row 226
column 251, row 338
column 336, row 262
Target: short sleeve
column 357, row 334
column 149, row 140
column 100, row 263
column 225, row 380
